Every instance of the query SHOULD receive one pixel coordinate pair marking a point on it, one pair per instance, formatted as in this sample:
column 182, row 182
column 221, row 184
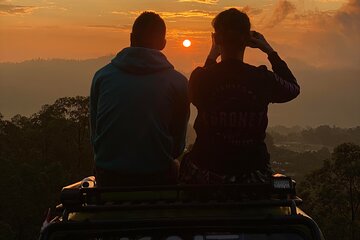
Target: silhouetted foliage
column 297, row 164
column 332, row 194
column 323, row 135
column 38, row 156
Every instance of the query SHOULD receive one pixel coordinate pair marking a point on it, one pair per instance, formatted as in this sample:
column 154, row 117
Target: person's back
column 232, row 99
column 139, row 111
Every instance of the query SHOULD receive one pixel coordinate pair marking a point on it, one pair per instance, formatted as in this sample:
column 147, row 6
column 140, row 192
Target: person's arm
column 194, row 82
column 197, row 74
column 213, row 54
column 93, row 108
column 282, row 83
column 284, row 86
column 180, row 119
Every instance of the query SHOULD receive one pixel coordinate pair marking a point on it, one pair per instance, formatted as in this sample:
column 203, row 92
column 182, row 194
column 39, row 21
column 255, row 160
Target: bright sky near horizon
column 325, row 31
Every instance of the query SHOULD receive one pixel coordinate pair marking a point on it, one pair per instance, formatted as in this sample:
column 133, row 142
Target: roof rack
column 84, row 196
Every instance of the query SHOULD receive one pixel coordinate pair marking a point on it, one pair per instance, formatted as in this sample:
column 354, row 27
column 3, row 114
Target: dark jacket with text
column 232, row 100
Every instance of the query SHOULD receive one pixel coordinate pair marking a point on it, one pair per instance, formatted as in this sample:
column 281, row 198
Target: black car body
column 248, row 212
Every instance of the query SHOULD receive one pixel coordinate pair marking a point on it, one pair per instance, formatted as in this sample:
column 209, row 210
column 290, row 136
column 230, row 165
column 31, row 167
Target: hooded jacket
column 139, row 110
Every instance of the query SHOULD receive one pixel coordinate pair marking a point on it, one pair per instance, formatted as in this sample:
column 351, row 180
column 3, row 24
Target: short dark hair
column 148, row 30
column 233, row 26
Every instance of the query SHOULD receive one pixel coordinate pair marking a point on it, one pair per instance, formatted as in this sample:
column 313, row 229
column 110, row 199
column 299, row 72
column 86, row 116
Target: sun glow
column 186, row 43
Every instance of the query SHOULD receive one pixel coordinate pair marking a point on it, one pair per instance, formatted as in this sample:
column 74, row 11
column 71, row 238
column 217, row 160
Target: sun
column 186, row 43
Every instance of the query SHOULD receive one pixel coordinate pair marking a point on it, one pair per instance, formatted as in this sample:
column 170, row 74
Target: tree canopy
column 332, row 193
column 38, row 156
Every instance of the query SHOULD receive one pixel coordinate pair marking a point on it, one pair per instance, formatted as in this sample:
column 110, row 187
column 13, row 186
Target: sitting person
column 139, row 110
column 232, row 100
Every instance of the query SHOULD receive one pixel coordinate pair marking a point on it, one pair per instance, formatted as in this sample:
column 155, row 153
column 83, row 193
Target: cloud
column 344, row 21
column 121, row 13
column 188, row 14
column 8, row 9
column 331, row 1
column 282, row 9
column 179, row 33
column 328, row 39
column 170, row 15
column 251, row 11
column 348, row 17
column 125, row 27
column 210, row 2
column 12, row 10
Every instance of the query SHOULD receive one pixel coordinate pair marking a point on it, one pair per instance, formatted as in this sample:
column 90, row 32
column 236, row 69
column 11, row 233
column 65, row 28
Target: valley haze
column 328, row 96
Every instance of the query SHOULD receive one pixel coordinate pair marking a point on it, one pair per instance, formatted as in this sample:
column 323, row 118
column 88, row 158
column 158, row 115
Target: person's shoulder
column 261, row 71
column 176, row 76
column 104, row 71
column 179, row 75
column 198, row 72
column 260, row 68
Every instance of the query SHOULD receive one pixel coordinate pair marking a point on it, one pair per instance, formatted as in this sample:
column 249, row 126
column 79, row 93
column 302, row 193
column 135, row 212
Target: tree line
column 324, row 135
column 50, row 149
column 38, row 156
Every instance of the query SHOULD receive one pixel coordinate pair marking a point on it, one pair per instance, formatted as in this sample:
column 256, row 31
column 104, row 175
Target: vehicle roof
column 184, row 205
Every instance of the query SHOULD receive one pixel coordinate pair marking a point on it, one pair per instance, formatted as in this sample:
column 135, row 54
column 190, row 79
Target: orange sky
column 325, row 31
column 319, row 39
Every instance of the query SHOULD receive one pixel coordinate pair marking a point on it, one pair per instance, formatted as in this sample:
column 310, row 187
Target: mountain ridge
column 328, row 96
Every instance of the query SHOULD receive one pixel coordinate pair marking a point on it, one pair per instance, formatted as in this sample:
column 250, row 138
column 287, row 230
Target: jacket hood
column 141, row 60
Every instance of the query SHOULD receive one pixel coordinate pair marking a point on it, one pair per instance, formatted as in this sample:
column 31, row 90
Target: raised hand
column 215, row 50
column 257, row 40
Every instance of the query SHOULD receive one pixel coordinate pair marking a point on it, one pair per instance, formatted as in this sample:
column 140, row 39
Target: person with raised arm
column 232, row 99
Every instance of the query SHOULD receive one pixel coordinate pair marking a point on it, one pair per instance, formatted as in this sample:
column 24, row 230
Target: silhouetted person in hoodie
column 232, row 99
column 139, row 111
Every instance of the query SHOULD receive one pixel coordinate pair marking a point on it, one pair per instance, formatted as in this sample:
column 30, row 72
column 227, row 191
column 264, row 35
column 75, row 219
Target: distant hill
column 328, row 96
column 26, row 86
